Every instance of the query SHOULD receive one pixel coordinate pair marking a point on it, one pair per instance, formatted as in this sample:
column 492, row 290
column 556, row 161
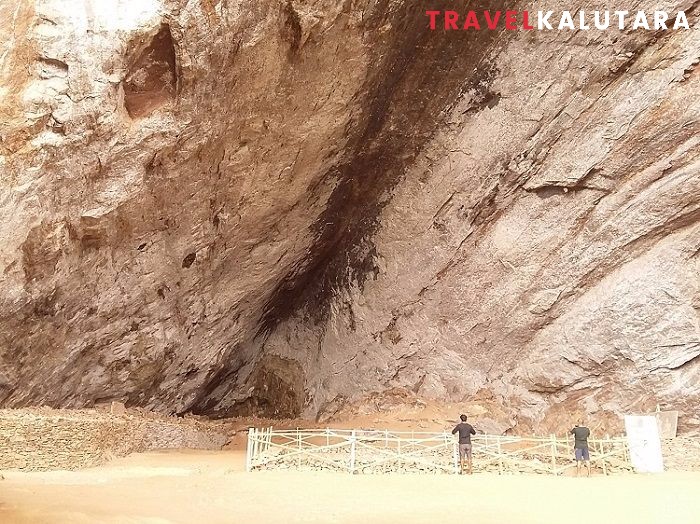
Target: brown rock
column 260, row 207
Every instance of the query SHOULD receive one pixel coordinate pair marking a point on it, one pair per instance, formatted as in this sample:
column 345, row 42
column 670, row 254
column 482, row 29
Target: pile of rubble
column 369, row 461
column 437, row 460
column 46, row 439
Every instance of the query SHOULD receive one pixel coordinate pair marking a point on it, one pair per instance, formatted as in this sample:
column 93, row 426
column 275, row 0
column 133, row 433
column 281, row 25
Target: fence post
column 455, row 460
column 554, row 453
column 299, row 449
column 249, row 450
column 605, row 466
column 255, row 442
column 500, row 457
column 446, row 441
column 352, row 452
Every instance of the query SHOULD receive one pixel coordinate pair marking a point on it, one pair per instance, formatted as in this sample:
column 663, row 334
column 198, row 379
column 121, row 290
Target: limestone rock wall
column 288, row 207
column 161, row 167
column 542, row 252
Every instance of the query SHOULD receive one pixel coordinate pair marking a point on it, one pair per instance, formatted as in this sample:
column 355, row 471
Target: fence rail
column 371, row 451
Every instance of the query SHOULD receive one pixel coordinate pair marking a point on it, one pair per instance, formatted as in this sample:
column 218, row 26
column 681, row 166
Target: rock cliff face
column 228, row 206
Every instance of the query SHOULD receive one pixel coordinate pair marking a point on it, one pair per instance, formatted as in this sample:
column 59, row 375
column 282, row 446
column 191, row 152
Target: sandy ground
column 191, row 487
column 212, row 487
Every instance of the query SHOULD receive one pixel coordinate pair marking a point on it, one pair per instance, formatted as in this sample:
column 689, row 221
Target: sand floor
column 212, row 487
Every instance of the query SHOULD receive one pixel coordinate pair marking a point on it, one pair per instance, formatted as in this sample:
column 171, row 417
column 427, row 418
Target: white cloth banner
column 644, row 443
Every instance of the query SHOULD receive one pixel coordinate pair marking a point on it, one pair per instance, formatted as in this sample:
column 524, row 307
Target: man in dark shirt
column 581, row 434
column 465, row 443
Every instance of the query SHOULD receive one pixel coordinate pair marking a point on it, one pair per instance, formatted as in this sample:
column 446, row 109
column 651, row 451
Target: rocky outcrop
column 288, row 207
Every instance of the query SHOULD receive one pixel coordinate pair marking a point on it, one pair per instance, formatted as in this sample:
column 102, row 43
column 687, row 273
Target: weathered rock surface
column 287, row 207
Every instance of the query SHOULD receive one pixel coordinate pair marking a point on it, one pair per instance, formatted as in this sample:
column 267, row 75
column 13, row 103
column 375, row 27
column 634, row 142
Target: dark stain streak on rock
column 292, row 28
column 406, row 96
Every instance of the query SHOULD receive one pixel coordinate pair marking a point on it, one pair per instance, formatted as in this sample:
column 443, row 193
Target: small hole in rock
column 152, row 76
column 189, row 260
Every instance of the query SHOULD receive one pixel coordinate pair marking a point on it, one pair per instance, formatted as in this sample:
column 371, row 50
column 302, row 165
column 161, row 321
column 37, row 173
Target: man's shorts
column 465, row 450
column 582, row 454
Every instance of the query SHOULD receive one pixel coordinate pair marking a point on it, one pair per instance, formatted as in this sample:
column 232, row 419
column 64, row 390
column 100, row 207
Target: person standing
column 465, row 443
column 581, row 434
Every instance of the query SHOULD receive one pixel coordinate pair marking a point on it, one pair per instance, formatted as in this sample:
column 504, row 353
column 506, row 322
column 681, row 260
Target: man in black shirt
column 465, row 443
column 581, row 434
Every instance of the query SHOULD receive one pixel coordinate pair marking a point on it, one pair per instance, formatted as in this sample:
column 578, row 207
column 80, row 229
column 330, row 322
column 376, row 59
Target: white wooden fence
column 371, row 451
